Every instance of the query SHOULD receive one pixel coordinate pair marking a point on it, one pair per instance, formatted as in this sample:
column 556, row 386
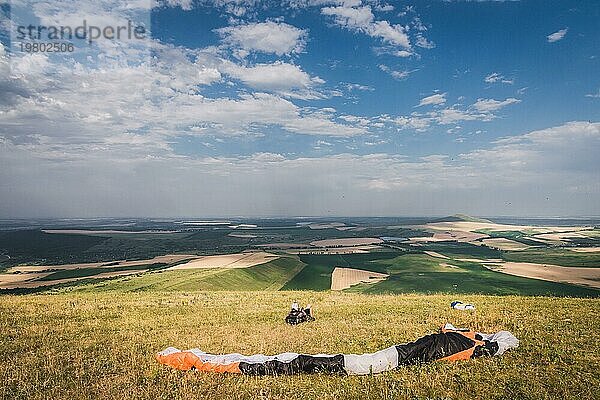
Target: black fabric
column 433, row 347
column 488, row 349
column 296, row 317
column 301, row 364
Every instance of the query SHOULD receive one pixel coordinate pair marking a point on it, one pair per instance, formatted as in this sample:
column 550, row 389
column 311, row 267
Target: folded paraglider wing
column 449, row 345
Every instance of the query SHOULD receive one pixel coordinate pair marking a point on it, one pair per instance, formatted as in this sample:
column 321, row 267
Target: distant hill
column 461, row 217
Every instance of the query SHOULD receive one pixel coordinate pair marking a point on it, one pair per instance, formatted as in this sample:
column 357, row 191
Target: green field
column 594, row 233
column 408, row 273
column 518, row 236
column 102, row 345
column 420, row 273
column 462, row 250
column 317, row 273
column 423, row 274
column 36, row 247
column 83, row 272
column 268, row 276
column 564, row 257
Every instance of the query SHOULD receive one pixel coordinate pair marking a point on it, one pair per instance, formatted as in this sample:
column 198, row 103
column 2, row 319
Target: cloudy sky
column 304, row 107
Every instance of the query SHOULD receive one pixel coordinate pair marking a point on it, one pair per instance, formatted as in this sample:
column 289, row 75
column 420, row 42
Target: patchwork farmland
column 452, row 255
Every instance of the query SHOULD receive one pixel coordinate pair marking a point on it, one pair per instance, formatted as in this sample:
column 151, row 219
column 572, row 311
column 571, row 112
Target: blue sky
column 472, row 40
column 306, row 107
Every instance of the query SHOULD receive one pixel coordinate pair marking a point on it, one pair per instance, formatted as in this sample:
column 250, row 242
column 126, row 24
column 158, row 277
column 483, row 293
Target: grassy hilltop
column 102, row 345
column 92, row 333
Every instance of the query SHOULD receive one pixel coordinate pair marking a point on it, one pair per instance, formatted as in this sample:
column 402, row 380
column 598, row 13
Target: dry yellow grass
column 102, row 345
column 9, row 279
column 28, row 280
column 504, row 244
column 28, row 276
column 488, row 260
column 448, row 265
column 554, row 273
column 167, row 259
column 449, row 235
column 336, row 225
column 343, row 278
column 104, row 232
column 435, row 254
column 336, row 250
column 561, row 236
column 468, row 226
column 238, row 260
column 242, row 235
column 586, row 249
column 346, row 242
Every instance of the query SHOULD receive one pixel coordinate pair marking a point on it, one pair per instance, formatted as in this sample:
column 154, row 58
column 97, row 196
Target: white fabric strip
column 505, row 340
column 364, row 364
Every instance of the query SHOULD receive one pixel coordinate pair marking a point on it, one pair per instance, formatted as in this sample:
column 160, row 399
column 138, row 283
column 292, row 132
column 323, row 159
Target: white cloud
column 454, row 130
column 482, row 110
column 362, row 19
column 489, row 105
column 396, row 74
column 267, row 157
column 359, row 18
column 547, row 172
column 496, row 77
column 453, row 115
column 403, row 53
column 416, row 122
column 232, row 8
column 323, row 143
column 184, row 4
column 161, row 101
column 392, row 50
column 556, row 36
column 384, row 7
column 283, row 78
column 424, row 43
column 268, row 37
column 357, row 86
column 393, row 34
column 594, row 95
column 70, row 104
column 568, row 147
column 355, row 120
column 418, row 25
column 435, row 99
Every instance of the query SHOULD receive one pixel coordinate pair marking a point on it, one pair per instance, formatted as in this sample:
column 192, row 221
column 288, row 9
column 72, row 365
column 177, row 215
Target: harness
column 468, row 353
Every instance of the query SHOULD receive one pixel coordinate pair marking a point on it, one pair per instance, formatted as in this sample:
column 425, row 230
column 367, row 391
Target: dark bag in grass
column 298, row 315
